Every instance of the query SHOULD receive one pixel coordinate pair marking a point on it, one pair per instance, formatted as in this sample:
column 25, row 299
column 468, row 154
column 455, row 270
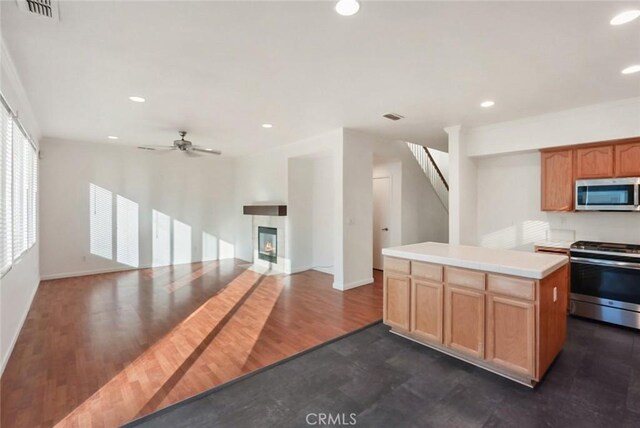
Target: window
column 101, row 221
column 6, row 187
column 18, row 185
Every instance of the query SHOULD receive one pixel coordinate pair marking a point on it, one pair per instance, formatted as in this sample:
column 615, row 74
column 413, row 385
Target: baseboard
column 116, row 269
column 90, row 272
column 353, row 284
column 6, row 358
column 324, row 270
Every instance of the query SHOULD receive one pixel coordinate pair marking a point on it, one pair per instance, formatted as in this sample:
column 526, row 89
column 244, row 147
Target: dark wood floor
column 101, row 350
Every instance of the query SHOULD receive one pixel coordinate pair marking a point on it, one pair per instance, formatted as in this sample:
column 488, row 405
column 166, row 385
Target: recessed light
column 137, row 99
column 347, row 7
column 487, row 104
column 267, row 125
column 631, row 69
column 112, row 137
column 624, row 17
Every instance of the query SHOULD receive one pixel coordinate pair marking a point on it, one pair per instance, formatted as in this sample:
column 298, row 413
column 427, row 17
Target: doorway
column 381, row 218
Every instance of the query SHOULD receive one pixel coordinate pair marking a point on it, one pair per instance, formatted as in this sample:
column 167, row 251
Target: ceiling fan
column 184, row 146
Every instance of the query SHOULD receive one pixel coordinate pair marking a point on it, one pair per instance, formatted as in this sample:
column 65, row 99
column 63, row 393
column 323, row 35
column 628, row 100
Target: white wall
column 509, row 214
column 462, row 190
column 19, row 285
column 423, row 217
column 197, row 192
column 357, row 209
column 263, row 178
column 311, row 212
column 606, row 121
column 504, row 161
column 322, row 214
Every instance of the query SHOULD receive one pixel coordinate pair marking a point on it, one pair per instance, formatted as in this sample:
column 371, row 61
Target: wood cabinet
column 561, row 167
column 557, row 180
column 426, row 310
column 464, row 320
column 397, row 294
column 627, row 159
column 511, row 334
column 594, row 162
column 510, row 325
column 564, row 252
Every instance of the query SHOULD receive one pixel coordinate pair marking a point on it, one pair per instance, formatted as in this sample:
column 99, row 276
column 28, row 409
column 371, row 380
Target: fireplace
column 268, row 244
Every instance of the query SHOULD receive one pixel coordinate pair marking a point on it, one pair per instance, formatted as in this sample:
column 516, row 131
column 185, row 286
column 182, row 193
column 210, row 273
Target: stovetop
column 609, row 247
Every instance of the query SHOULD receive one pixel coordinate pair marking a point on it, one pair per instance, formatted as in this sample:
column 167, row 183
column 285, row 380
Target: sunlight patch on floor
column 226, row 326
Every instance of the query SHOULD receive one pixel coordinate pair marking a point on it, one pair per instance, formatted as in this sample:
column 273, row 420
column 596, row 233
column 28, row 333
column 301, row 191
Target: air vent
column 393, row 116
column 44, row 8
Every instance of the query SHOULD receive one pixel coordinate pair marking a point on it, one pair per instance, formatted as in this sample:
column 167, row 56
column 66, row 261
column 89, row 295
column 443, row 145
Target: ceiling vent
column 393, row 116
column 44, row 8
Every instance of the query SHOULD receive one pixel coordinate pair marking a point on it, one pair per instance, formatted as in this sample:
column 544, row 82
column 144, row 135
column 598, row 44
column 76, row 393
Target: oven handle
column 610, row 263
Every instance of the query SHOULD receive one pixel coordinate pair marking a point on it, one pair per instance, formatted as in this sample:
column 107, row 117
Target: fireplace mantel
column 270, row 210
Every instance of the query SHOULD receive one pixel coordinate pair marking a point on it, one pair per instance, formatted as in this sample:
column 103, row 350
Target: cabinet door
column 628, row 159
column 594, row 162
column 397, row 293
column 557, row 181
column 464, row 320
column 511, row 334
column 426, row 310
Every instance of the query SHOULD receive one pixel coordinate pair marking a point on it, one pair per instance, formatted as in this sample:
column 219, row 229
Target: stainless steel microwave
column 608, row 194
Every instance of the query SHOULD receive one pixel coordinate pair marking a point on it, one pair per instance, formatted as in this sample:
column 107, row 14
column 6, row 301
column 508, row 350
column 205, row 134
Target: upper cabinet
column 557, row 180
column 561, row 167
column 627, row 159
column 594, row 162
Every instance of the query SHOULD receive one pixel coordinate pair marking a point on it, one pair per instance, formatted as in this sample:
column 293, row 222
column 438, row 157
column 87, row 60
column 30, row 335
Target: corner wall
column 18, row 287
column 504, row 160
column 420, row 214
column 193, row 200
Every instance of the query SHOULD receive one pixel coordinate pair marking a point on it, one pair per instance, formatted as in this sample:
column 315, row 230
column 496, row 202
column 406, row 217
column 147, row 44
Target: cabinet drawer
column 465, row 278
column 426, row 271
column 397, row 265
column 514, row 287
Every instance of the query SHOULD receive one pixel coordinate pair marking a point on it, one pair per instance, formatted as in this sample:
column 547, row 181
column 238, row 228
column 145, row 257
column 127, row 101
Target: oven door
column 607, row 195
column 606, row 280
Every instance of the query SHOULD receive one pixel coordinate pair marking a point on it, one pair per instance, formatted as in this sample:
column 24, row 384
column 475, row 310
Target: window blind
column 18, row 189
column 24, row 197
column 6, row 189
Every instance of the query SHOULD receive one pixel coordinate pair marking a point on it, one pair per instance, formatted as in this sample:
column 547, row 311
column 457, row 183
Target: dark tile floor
column 387, row 381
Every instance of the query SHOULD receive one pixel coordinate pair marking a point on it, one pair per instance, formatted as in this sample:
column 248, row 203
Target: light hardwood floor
column 102, row 350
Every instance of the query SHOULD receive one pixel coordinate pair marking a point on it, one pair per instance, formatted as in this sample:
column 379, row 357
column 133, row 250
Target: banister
column 444, row 181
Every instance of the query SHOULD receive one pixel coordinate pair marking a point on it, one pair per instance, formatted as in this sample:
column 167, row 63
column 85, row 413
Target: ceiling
column 221, row 69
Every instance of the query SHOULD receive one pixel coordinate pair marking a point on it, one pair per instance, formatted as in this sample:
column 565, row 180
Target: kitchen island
column 504, row 311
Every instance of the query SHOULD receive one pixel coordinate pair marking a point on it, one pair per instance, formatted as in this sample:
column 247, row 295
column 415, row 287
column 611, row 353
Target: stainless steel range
column 605, row 282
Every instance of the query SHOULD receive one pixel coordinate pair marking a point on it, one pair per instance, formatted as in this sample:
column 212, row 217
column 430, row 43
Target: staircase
column 433, row 173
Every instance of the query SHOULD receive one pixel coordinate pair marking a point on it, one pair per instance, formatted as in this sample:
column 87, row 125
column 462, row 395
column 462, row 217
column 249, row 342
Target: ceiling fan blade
column 206, row 150
column 157, row 147
column 192, row 153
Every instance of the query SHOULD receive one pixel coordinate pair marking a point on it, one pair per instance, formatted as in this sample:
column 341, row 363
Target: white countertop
column 508, row 262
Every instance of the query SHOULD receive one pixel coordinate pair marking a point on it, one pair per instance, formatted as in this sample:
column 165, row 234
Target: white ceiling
column 221, row 69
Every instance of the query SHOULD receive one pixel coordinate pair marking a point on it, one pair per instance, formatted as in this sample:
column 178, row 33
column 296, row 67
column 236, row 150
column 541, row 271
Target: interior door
column 381, row 218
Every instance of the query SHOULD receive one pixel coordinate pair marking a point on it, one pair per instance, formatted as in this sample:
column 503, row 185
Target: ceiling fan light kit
column 184, row 146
